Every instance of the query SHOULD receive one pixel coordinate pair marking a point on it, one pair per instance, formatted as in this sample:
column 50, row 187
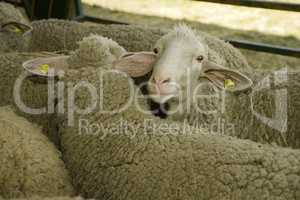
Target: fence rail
column 267, row 4
column 275, row 5
column 268, row 48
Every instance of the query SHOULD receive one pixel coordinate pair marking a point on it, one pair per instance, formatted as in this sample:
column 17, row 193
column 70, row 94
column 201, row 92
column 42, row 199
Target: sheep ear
column 16, row 27
column 47, row 67
column 223, row 78
column 135, row 64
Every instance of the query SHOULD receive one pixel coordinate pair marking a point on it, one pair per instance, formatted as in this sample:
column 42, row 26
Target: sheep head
column 15, row 27
column 15, row 36
column 178, row 61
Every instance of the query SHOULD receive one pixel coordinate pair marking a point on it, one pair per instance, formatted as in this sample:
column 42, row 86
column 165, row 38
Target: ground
column 224, row 21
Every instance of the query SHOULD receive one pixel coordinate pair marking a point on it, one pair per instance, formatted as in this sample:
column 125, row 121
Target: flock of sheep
column 46, row 156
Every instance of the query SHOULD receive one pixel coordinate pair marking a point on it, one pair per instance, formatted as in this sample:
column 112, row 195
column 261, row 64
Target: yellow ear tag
column 229, row 84
column 44, row 68
column 17, row 30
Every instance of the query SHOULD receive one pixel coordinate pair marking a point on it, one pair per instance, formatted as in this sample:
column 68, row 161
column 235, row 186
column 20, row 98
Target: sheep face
column 180, row 56
column 179, row 60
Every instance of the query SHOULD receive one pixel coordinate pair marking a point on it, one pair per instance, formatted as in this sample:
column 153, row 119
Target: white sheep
column 157, row 161
column 185, row 66
column 208, row 112
column 130, row 155
column 182, row 75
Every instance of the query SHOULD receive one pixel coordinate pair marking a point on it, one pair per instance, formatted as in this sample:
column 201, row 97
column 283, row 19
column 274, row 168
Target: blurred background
column 225, row 21
column 234, row 17
column 228, row 22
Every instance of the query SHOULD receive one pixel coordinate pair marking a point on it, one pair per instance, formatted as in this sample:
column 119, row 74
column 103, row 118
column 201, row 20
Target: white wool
column 185, row 32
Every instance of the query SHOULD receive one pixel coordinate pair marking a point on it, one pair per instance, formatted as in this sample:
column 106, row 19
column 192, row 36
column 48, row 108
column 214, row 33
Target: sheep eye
column 155, row 50
column 199, row 58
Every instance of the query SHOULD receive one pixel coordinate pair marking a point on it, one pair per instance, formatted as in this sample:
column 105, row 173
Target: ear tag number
column 229, row 84
column 44, row 68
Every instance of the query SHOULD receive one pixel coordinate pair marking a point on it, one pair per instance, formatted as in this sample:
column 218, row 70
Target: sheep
column 127, row 154
column 171, row 64
column 55, row 32
column 184, row 61
column 58, row 35
column 269, row 113
column 30, row 164
column 94, row 45
column 14, row 29
column 217, row 51
column 39, row 93
column 144, row 158
column 105, row 165
column 34, row 91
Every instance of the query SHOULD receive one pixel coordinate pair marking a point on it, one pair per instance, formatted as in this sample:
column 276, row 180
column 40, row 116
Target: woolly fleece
column 34, row 91
column 58, row 35
column 148, row 160
column 30, row 164
column 275, row 95
column 10, row 41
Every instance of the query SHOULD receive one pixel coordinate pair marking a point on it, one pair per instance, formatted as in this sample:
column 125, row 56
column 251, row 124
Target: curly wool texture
column 10, row 41
column 13, row 42
column 147, row 160
column 56, row 35
column 63, row 35
column 9, row 13
column 33, row 91
column 95, row 50
column 237, row 113
column 275, row 96
column 30, row 164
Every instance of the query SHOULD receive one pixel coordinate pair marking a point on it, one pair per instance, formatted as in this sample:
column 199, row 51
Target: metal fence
column 46, row 7
column 274, row 5
column 295, row 52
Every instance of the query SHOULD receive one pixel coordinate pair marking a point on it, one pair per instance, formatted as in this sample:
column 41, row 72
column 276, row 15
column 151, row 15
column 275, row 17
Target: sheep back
column 56, row 35
column 33, row 91
column 30, row 164
column 270, row 113
column 181, row 162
